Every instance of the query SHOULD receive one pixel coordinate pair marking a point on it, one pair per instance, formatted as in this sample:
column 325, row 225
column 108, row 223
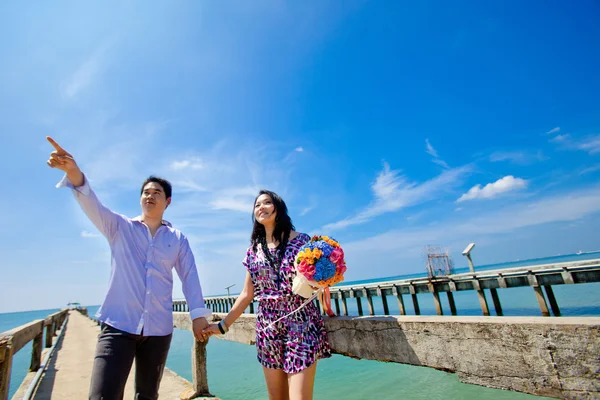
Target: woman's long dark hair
column 283, row 227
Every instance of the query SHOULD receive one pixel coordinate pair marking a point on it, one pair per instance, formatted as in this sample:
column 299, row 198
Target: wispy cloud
column 232, row 204
column 305, row 211
column 299, row 149
column 393, row 191
column 553, row 130
column 590, row 144
column 560, row 138
column 430, row 150
column 85, row 74
column 238, row 199
column 504, row 185
column 88, row 235
column 589, row 170
column 433, row 152
column 192, row 163
column 518, row 157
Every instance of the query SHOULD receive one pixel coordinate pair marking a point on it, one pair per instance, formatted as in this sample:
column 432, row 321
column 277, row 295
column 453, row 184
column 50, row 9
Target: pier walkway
column 68, row 374
column 75, row 359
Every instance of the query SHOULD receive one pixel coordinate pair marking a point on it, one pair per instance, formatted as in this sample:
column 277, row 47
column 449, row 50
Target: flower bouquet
column 319, row 264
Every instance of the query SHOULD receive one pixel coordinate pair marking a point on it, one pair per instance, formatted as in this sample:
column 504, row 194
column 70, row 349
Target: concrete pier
column 544, row 356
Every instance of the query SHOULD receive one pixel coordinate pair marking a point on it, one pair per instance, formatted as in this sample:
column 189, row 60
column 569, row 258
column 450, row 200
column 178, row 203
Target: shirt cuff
column 83, row 189
column 200, row 313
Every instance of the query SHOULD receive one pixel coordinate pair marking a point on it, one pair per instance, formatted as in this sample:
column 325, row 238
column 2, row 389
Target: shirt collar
column 140, row 218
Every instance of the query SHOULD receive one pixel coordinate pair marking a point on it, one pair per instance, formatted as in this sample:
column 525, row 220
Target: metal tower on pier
column 439, row 262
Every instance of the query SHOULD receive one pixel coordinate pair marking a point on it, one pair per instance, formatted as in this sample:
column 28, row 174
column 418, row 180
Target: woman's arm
column 242, row 302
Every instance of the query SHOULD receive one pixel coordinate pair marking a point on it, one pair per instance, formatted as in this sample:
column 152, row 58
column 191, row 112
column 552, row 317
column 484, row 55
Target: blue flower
column 325, row 247
column 324, row 269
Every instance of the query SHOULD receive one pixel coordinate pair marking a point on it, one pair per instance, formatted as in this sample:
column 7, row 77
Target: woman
column 288, row 348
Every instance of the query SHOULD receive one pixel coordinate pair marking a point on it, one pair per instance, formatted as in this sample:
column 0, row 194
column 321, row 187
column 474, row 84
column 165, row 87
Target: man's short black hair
column 165, row 184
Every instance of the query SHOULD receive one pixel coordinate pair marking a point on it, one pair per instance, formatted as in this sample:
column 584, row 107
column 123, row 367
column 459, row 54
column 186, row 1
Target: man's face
column 153, row 200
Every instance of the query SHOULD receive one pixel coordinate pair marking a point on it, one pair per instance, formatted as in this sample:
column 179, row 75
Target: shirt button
column 145, row 311
column 148, row 292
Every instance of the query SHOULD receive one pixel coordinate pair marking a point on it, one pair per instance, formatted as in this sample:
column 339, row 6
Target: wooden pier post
column 415, row 300
column 200, row 379
column 451, row 303
column 450, row 294
column 251, row 307
column 552, row 300
column 36, row 349
column 496, row 300
column 49, row 329
column 6, row 355
column 369, row 301
column 384, row 302
column 539, row 295
column 337, row 305
column 398, row 294
column 436, row 299
column 481, row 294
column 344, row 303
column 358, row 302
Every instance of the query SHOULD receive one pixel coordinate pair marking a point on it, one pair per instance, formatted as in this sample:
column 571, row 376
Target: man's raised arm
column 105, row 220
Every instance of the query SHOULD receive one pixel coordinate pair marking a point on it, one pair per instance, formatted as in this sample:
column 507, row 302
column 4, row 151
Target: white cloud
column 233, row 204
column 560, row 138
column 441, row 163
column 430, row 150
column 433, row 152
column 589, row 170
column 299, row 149
column 191, row 163
column 393, row 191
column 305, row 211
column 87, row 235
column 518, row 157
column 503, row 185
column 589, row 144
column 85, row 74
column 553, row 130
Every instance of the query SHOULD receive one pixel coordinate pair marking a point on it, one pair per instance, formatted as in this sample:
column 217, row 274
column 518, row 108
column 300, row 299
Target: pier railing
column 14, row 340
column 540, row 278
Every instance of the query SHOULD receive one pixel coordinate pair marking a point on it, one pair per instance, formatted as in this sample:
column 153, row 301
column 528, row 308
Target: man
column 136, row 315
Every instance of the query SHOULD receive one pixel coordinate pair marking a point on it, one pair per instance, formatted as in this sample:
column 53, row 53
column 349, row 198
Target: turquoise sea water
column 234, row 372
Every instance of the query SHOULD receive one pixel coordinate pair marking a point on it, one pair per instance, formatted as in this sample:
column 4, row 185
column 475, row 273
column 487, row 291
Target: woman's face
column 264, row 210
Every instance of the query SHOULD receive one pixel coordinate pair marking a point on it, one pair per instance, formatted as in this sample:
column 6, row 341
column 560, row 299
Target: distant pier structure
column 439, row 262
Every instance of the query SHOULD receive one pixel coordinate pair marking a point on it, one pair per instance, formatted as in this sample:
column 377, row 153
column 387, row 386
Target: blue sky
column 389, row 125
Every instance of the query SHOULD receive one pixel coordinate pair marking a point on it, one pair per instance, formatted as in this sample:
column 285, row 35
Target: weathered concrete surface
column 557, row 357
column 69, row 372
column 548, row 356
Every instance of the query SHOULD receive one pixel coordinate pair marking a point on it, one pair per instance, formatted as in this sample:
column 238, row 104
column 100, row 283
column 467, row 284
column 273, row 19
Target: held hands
column 198, row 326
column 212, row 329
column 60, row 158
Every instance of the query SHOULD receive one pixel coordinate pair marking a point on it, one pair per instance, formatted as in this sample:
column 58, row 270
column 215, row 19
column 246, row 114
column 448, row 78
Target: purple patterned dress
column 297, row 341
